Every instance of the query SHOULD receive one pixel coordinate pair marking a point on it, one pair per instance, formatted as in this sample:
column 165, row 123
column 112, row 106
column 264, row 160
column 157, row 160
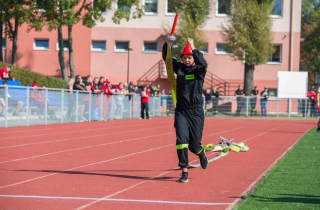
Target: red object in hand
column 174, row 24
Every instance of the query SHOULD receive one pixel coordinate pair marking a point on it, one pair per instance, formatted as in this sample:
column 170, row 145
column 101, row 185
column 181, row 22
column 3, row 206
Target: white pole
column 46, row 107
column 27, row 106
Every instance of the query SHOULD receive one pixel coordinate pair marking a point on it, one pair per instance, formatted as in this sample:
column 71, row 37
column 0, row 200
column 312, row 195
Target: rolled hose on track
column 223, row 147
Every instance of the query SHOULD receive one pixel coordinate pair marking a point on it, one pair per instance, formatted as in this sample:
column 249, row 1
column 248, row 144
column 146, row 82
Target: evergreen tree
column 248, row 35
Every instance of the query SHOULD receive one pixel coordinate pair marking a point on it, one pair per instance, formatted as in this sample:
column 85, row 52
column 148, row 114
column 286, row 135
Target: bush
column 27, row 77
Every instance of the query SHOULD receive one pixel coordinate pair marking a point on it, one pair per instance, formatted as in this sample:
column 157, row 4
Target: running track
column 132, row 164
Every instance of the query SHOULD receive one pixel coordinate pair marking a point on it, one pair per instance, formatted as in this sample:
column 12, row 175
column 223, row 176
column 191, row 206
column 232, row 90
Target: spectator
column 88, row 83
column 79, row 86
column 170, row 105
column 41, row 97
column 144, row 93
column 5, row 73
column 119, row 100
column 207, row 97
column 70, row 98
column 125, row 90
column 153, row 91
column 131, row 90
column 34, row 98
column 264, row 101
column 318, row 103
column 215, row 101
column 240, row 94
column 312, row 98
column 158, row 91
column 2, row 104
column 253, row 100
column 12, row 102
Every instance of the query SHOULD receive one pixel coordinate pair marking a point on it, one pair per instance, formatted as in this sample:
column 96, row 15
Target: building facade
column 101, row 50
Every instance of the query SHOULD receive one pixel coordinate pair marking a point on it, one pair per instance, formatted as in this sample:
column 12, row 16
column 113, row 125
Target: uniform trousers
column 189, row 126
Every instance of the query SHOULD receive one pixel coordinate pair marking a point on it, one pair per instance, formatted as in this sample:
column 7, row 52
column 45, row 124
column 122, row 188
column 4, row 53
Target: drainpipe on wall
column 291, row 38
column 291, row 50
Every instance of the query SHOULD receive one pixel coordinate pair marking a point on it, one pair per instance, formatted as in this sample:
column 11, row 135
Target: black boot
column 184, row 177
column 203, row 159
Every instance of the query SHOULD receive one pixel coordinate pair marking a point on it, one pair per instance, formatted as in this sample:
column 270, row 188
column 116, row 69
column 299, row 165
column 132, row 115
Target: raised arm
column 175, row 63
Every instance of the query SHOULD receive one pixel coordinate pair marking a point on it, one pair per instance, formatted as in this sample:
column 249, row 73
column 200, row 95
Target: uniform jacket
column 189, row 80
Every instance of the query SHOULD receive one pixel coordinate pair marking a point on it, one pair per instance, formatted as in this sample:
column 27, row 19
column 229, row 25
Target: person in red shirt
column 312, row 95
column 5, row 73
column 144, row 102
column 36, row 97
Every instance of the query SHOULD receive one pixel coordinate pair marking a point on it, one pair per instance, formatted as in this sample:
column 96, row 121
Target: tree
column 248, row 35
column 192, row 17
column 61, row 13
column 15, row 13
column 310, row 30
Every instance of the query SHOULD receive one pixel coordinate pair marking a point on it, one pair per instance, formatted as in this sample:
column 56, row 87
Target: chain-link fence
column 24, row 106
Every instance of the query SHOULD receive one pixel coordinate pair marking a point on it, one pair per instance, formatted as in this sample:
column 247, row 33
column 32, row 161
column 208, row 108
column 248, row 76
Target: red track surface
column 71, row 166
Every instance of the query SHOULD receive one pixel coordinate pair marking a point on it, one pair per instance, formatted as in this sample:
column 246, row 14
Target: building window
column 273, row 92
column 151, row 6
column 222, row 48
column 204, row 49
column 169, row 8
column 40, row 5
column 98, row 46
column 4, row 43
column 65, row 45
column 223, row 7
column 121, row 46
column 102, row 9
column 276, row 56
column 41, row 44
column 277, row 9
column 124, row 7
column 150, row 47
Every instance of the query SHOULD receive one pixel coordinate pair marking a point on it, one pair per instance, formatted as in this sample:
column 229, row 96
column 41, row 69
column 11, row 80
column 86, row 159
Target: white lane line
column 128, row 188
column 97, row 163
column 72, row 125
column 7, row 161
column 104, row 161
column 114, row 199
column 83, row 137
column 262, row 133
column 77, row 131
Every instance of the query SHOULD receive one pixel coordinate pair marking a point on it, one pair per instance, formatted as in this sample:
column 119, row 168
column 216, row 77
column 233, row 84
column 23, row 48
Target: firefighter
column 189, row 115
column 253, row 100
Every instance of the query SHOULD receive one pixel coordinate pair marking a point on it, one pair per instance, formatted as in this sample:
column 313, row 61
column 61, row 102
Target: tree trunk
column 248, row 79
column 61, row 55
column 14, row 42
column 71, row 65
column 1, row 56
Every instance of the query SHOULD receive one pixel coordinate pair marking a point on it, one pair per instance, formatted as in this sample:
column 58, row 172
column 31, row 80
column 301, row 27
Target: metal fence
column 231, row 106
column 43, row 106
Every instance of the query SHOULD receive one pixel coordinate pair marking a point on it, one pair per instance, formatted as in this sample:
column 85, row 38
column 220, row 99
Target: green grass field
column 294, row 183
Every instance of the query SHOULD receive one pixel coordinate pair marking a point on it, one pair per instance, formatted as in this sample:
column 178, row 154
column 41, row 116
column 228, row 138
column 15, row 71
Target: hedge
column 27, row 77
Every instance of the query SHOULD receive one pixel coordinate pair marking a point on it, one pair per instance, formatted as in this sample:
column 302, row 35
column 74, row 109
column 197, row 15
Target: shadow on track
column 165, row 178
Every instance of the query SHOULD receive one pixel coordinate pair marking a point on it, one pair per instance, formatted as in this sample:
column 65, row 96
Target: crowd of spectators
column 96, row 86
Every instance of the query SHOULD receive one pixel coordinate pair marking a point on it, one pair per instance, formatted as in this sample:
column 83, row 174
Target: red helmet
column 186, row 50
column 34, row 84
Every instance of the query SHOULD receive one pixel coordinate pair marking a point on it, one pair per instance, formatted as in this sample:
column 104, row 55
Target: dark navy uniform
column 215, row 100
column 239, row 101
column 189, row 115
column 253, row 101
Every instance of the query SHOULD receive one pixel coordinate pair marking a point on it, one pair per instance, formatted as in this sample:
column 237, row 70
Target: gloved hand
column 170, row 38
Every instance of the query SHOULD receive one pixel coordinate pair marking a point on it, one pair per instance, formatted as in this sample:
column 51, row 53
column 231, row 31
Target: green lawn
column 294, row 183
